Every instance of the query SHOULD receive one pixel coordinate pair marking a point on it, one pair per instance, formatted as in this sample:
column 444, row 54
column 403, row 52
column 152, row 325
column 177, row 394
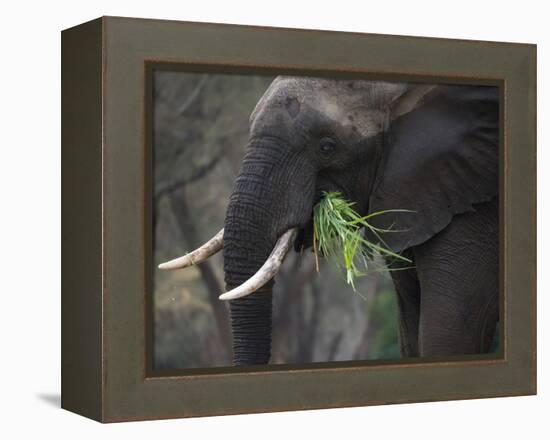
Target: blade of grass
column 337, row 235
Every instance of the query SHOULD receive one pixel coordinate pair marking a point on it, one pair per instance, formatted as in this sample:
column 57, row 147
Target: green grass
column 337, row 235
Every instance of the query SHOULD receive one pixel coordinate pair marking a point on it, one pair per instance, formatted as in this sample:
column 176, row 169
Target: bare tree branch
column 188, row 229
column 196, row 175
column 334, row 346
column 193, row 95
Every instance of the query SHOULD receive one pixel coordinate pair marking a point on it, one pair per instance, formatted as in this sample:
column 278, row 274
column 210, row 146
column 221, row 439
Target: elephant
column 426, row 154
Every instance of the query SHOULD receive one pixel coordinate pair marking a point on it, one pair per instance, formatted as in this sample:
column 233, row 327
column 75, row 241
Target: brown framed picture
column 263, row 219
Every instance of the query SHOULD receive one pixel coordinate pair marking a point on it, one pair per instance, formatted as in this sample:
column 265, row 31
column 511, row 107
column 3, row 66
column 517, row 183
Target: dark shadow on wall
column 52, row 399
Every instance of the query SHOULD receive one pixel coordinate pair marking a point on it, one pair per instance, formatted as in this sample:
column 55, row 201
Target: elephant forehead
column 358, row 119
column 347, row 92
column 355, row 104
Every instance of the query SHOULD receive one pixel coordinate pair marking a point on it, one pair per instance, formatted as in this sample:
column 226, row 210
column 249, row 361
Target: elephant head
column 430, row 149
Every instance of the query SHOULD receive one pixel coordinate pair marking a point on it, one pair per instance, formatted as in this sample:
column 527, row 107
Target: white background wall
column 30, row 218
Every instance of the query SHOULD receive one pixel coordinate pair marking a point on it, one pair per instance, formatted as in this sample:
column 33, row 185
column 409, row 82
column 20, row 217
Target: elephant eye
column 327, row 146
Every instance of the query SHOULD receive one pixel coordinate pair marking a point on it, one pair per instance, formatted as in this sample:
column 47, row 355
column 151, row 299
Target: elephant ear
column 440, row 158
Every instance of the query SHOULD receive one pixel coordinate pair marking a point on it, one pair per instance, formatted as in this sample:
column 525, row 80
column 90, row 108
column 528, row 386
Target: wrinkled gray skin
column 429, row 149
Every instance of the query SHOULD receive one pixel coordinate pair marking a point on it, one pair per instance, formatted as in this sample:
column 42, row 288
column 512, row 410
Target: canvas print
column 302, row 219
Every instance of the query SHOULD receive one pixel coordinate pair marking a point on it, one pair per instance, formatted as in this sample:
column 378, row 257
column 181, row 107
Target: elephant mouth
column 299, row 237
column 304, row 237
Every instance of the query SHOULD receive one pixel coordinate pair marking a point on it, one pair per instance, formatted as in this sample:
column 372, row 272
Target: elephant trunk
column 268, row 200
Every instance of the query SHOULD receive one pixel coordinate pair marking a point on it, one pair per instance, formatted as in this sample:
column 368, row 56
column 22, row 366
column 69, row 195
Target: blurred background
column 200, row 135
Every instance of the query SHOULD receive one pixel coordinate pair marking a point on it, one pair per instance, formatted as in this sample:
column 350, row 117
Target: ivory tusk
column 267, row 271
column 211, row 247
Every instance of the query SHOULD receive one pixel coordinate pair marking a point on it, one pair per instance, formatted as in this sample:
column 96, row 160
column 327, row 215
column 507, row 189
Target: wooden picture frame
column 106, row 233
